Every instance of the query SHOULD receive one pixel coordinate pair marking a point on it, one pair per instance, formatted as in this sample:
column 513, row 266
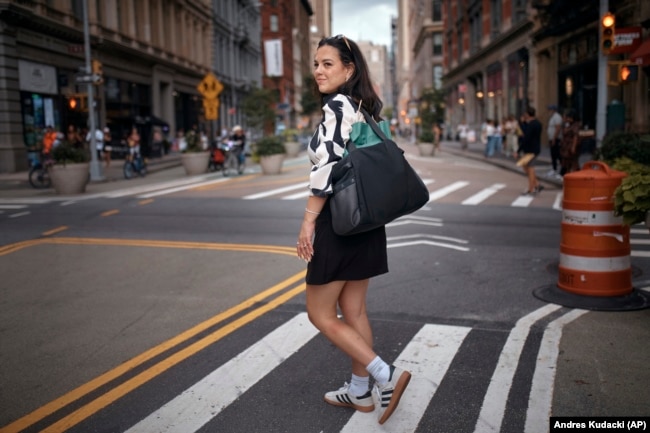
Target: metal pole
column 95, row 167
column 601, row 102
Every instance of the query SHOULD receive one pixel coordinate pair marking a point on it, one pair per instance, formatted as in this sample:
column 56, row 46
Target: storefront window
column 39, row 111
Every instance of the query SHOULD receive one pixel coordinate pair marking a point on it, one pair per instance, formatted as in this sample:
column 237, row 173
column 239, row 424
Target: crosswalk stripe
column 302, row 194
column 522, row 201
column 483, row 194
column 496, row 396
column 446, row 190
column 428, row 357
column 13, row 206
column 541, row 393
column 19, row 214
column 143, row 189
column 182, row 188
column 197, row 405
column 557, row 203
column 275, row 191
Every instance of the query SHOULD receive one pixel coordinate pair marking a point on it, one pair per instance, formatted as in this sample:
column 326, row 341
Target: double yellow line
column 129, row 385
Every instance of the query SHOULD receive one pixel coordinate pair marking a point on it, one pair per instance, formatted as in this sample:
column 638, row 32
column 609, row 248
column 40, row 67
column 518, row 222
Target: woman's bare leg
column 322, row 303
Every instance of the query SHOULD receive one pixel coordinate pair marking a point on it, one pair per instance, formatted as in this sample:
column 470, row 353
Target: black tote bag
column 373, row 185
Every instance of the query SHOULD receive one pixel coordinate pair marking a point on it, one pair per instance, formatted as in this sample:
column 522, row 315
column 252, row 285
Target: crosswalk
column 435, row 354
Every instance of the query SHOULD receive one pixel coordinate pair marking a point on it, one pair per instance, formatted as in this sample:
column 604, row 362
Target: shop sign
column 626, row 40
column 37, row 77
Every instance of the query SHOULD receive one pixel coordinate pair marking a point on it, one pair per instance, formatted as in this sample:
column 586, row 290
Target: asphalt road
column 153, row 307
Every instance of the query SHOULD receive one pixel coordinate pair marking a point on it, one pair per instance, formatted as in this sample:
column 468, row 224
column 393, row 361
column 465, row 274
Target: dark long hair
column 358, row 87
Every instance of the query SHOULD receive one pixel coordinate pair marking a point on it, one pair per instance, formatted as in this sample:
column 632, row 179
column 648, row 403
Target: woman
column 107, row 148
column 569, row 150
column 133, row 141
column 73, row 137
column 339, row 267
column 531, row 145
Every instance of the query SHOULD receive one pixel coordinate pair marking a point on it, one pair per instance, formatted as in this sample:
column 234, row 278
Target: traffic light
column 628, row 73
column 607, row 32
column 98, row 74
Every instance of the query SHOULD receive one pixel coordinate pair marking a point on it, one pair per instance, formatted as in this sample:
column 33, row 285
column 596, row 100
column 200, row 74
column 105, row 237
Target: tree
column 259, row 108
column 309, row 100
column 432, row 108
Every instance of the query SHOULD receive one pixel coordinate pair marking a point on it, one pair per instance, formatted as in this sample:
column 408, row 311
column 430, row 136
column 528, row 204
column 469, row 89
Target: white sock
column 359, row 385
column 379, row 370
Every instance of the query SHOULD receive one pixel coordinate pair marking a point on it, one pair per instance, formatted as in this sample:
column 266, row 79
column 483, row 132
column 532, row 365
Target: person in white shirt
column 554, row 132
column 511, row 128
column 490, row 138
column 462, row 134
column 99, row 141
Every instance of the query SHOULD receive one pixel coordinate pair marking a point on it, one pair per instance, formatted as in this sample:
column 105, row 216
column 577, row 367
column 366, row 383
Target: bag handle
column 375, row 128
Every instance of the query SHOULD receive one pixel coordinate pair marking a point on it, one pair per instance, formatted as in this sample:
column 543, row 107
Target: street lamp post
column 95, row 167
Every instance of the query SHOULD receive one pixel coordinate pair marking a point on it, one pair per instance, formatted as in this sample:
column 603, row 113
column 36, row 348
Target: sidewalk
column 16, row 185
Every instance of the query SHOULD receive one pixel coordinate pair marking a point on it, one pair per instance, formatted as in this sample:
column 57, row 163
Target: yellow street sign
column 211, row 108
column 210, row 87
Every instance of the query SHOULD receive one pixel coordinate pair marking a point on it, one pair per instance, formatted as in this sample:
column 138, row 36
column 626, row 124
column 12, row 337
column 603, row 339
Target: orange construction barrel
column 595, row 246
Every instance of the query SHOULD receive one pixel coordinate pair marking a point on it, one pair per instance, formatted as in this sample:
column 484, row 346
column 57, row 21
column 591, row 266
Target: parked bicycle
column 39, row 177
column 134, row 164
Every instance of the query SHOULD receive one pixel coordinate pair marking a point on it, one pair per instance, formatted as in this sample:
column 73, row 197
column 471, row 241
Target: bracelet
column 312, row 212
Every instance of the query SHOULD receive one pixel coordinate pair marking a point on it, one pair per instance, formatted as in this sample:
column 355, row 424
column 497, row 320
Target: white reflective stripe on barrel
column 595, row 264
column 590, row 217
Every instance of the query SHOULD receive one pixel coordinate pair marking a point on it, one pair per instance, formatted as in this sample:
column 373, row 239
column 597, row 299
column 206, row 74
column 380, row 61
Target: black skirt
column 345, row 258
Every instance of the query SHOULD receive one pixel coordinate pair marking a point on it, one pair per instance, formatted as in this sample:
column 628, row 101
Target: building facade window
column 437, row 44
column 437, row 77
column 436, row 10
column 474, row 33
column 459, row 38
column 78, row 9
column 495, row 18
column 274, row 23
column 520, row 10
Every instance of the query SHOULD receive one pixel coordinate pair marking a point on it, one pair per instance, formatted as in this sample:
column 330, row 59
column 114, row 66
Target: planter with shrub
column 630, row 153
column 195, row 158
column 69, row 169
column 271, row 151
column 425, row 143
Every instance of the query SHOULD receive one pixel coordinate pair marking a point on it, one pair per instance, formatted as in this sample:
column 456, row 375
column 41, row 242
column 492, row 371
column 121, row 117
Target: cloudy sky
column 367, row 20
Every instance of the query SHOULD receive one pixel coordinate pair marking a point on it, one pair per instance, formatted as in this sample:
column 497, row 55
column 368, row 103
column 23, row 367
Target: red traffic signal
column 607, row 32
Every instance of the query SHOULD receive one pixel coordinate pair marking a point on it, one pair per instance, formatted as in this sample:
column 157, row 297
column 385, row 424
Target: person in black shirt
column 531, row 144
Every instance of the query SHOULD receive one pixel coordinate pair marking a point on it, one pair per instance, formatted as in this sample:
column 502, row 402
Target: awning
column 641, row 56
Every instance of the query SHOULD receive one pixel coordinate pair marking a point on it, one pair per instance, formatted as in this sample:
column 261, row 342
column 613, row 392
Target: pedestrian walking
column 99, row 141
column 512, row 131
column 108, row 148
column 463, row 130
column 340, row 267
column 490, row 138
column 531, row 147
column 554, row 133
column 569, row 147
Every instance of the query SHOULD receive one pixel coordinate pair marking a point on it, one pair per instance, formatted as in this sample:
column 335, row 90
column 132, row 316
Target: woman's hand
column 304, row 246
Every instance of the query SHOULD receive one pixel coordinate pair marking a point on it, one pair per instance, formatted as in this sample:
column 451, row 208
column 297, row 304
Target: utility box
column 615, row 117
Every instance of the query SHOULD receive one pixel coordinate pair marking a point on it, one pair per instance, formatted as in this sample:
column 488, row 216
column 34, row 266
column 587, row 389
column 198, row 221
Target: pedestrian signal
column 74, row 104
column 628, row 73
column 607, row 32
